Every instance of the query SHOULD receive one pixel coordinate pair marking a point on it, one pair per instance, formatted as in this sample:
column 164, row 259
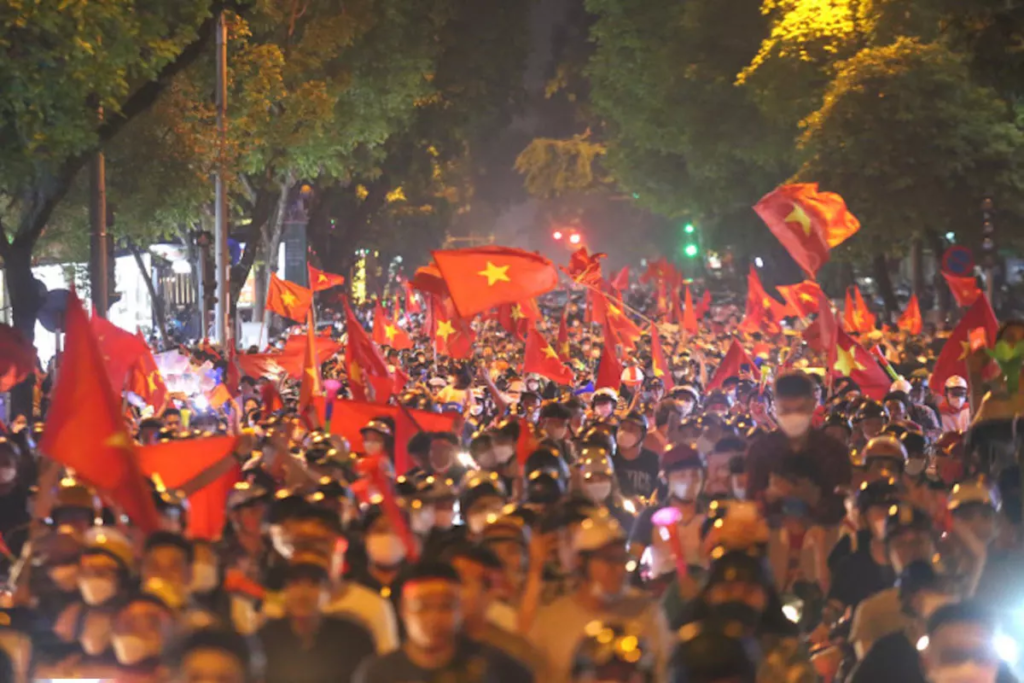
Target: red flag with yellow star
column 517, row 318
column 485, row 277
column 288, row 299
column 659, row 366
column 412, row 305
column 606, row 310
column 851, row 360
column 801, row 297
column 452, row 335
column 609, row 370
column 563, row 333
column 387, row 333
column 146, row 382
column 319, row 280
column 584, row 267
column 368, row 374
column 689, row 314
column 952, row 359
column 541, row 358
column 910, row 320
column 311, row 385
column 760, row 311
column 965, row 289
column 856, row 316
column 737, row 363
column 119, row 348
column 807, row 222
column 84, row 429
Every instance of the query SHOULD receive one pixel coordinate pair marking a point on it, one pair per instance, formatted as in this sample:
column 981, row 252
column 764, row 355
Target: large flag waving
column 288, row 299
column 609, row 370
column 910, row 320
column 387, row 333
column 808, row 223
column 368, row 374
column 584, row 267
column 856, row 315
column 319, row 280
column 761, row 308
column 146, row 382
column 84, row 429
column 801, row 297
column 606, row 310
column 965, row 289
column 953, row 358
column 735, row 364
column 452, row 335
column 851, row 360
column 541, row 358
column 484, row 277
column 119, row 348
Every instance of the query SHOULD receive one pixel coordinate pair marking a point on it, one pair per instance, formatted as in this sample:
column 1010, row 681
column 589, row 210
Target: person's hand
column 778, row 488
column 541, row 546
column 807, row 491
column 977, row 361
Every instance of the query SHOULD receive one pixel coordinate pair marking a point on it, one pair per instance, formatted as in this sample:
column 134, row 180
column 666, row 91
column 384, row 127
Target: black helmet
column 914, row 442
column 885, row 447
column 879, row 493
column 477, row 485
column 614, row 652
column 706, row 653
column 555, row 410
column 417, row 399
column 736, row 565
column 837, row 418
column 600, row 437
column 545, row 457
column 905, row 517
column 637, row 418
column 870, row 409
column 544, row 486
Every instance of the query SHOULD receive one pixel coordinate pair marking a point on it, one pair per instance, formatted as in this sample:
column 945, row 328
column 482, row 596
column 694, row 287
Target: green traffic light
column 690, row 250
column 688, row 228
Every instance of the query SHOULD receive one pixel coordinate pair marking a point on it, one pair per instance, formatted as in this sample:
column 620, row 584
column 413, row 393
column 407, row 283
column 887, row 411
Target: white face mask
column 422, row 521
column 626, row 440
column 915, row 466
column 705, row 445
column 878, row 529
column 132, row 649
column 739, row 493
column 956, row 402
column 477, row 521
column 684, row 490
column 794, row 425
column 204, row 577
column 372, row 447
column 687, row 407
column 7, row 474
column 558, row 433
column 385, row 550
column 96, row 590
column 603, row 410
column 597, row 491
column 503, row 453
column 965, row 672
column 443, row 519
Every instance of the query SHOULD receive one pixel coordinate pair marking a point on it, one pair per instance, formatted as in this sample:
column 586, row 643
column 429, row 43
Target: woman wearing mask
column 206, row 582
column 378, row 438
column 597, row 482
column 603, row 403
column 483, row 498
column 142, row 628
column 385, row 552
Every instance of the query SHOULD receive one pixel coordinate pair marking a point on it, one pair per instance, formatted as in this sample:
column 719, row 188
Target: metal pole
column 222, row 330
column 98, row 223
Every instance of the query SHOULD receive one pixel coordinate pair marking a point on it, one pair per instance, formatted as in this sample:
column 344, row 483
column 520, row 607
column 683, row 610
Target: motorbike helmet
column 975, row 492
column 614, row 651
column 878, row 493
column 905, row 517
column 544, row 487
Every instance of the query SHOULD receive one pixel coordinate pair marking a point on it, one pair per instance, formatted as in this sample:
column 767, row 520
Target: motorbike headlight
column 628, row 506
column 793, row 609
column 1007, row 648
column 922, row 643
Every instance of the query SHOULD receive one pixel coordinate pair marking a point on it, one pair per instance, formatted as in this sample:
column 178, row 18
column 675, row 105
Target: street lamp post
column 222, row 330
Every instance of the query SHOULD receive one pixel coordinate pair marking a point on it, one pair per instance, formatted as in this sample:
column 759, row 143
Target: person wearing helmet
column 955, row 411
column 974, row 506
column 884, row 457
column 378, row 438
column 909, row 538
column 636, row 467
column 554, row 420
column 687, row 396
column 668, row 415
column 683, row 473
column 829, row 460
column 895, row 656
column 483, row 496
column 869, row 421
column 614, row 651
column 603, row 403
column 598, row 543
column 838, row 426
column 598, row 483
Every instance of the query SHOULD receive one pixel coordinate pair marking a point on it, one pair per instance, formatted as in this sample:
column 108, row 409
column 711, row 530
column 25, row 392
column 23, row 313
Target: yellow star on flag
column 321, row 278
column 550, row 352
column 288, row 298
column 965, row 349
column 658, row 372
column 445, row 330
column 614, row 311
column 846, row 360
column 517, row 313
column 390, row 332
column 495, row 274
column 766, row 302
column 151, row 381
column 355, row 373
column 806, row 296
column 798, row 215
column 119, row 440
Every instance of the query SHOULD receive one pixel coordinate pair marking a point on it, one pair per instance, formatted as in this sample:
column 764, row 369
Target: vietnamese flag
column 760, row 308
column 658, row 363
column 625, row 329
column 387, row 333
column 452, row 335
column 851, row 360
column 428, row 280
column 412, row 304
column 311, row 382
column 119, row 348
column 289, row 360
column 541, row 358
column 484, row 277
column 910, row 321
column 621, row 280
column 146, row 382
column 735, row 364
column 807, row 222
column 609, row 370
column 288, row 299
column 319, row 280
column 84, row 429
column 517, row 318
column 856, row 316
column 801, row 297
column 368, row 375
column 17, row 357
column 705, row 304
column 563, row 332
column 689, row 314
column 965, row 289
column 584, row 267
column 952, row 359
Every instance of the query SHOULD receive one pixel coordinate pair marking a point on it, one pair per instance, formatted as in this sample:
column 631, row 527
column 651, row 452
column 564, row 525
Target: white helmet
column 632, row 376
column 598, row 530
column 974, row 492
column 956, row 382
column 901, row 385
column 606, row 394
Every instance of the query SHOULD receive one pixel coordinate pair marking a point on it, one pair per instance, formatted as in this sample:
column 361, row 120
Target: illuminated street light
column 575, row 238
column 557, row 234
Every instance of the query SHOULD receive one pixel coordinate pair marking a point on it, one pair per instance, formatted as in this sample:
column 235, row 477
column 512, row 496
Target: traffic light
column 688, row 228
column 988, row 231
column 690, row 250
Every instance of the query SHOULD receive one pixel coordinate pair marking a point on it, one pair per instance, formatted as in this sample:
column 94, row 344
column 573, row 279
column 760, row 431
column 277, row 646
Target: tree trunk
column 154, row 296
column 272, row 236
column 881, row 271
column 25, row 304
column 266, row 205
column 942, row 293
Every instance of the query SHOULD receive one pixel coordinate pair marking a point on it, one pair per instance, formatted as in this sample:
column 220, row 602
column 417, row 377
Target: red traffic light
column 557, row 234
column 575, row 238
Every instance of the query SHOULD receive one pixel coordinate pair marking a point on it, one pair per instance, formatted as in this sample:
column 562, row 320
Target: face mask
column 65, row 576
column 7, row 474
column 558, row 433
column 504, row 452
column 878, row 529
column 443, row 519
column 204, row 577
column 915, row 466
column 422, row 520
column 133, row 649
column 684, row 490
column 738, row 612
column 626, row 441
column 372, row 447
column 687, row 407
column 956, row 402
column 476, row 411
column 794, row 425
column 598, row 491
column 477, row 521
column 705, row 445
column 965, row 672
column 96, row 590
column 603, row 410
column 385, row 550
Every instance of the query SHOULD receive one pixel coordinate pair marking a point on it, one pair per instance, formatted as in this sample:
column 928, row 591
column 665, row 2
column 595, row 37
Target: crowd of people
column 780, row 527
